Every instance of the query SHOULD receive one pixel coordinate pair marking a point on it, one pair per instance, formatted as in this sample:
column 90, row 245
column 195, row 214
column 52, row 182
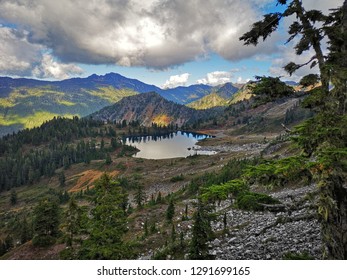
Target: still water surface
column 172, row 145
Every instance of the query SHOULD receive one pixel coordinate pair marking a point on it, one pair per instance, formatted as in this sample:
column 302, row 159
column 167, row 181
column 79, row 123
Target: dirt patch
column 87, row 178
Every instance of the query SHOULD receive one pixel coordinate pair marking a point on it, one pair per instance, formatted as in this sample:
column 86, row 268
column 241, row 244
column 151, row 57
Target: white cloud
column 322, row 5
column 216, row 78
column 177, row 80
column 19, row 57
column 50, row 68
column 16, row 53
column 241, row 80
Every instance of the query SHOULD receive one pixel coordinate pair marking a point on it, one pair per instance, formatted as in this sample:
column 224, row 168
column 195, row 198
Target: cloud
column 241, row 80
column 53, row 69
column 155, row 34
column 19, row 57
column 177, row 80
column 216, row 78
column 16, row 54
column 322, row 5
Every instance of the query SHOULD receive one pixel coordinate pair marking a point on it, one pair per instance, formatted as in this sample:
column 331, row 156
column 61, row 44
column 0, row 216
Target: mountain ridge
column 26, row 103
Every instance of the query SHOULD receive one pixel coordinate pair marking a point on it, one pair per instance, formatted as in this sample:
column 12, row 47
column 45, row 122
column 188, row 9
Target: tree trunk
column 313, row 35
column 334, row 226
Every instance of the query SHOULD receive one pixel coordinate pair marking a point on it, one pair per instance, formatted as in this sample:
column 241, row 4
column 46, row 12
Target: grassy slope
column 208, row 101
column 30, row 107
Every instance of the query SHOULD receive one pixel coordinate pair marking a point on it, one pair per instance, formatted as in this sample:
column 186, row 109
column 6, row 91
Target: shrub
column 253, row 201
column 177, row 178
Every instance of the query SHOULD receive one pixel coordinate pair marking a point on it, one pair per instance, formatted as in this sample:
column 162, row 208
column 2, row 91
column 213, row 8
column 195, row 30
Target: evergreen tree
column 108, row 159
column 173, row 233
column 108, row 223
column 323, row 137
column 145, row 228
column 201, row 234
column 13, row 198
column 269, row 89
column 186, row 212
column 139, row 196
column 62, row 179
column 170, row 211
column 225, row 223
column 25, row 231
column 159, row 198
column 46, row 222
column 72, row 225
column 114, row 143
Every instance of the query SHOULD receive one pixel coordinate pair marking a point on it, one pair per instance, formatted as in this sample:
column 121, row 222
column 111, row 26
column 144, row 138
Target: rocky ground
column 255, row 148
column 268, row 235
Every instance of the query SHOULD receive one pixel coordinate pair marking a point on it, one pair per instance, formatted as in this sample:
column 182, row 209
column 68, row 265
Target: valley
column 239, row 135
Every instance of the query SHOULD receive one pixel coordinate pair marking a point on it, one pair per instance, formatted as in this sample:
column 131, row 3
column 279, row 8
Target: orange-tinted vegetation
column 87, row 178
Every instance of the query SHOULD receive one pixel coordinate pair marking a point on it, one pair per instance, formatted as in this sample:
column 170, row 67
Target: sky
column 167, row 43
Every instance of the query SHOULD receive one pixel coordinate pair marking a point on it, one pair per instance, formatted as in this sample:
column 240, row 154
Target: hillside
column 26, row 103
column 148, row 108
column 219, row 97
column 208, row 101
column 244, row 93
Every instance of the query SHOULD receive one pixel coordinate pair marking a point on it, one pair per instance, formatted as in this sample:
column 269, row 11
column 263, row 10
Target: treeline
column 59, row 130
column 22, row 164
column 134, row 128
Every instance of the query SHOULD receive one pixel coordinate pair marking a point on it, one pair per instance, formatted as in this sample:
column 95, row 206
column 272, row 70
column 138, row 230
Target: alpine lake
column 171, row 145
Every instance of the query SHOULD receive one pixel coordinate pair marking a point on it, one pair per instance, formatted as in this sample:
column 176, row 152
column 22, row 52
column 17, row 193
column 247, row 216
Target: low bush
column 254, row 201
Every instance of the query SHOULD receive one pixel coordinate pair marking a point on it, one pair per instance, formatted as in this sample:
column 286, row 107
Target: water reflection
column 172, row 145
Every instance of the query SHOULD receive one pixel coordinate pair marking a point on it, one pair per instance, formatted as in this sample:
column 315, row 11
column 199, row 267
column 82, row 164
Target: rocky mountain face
column 148, row 108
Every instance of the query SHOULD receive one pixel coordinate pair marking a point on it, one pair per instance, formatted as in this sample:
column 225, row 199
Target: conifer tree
column 25, row 231
column 13, row 198
column 323, row 137
column 173, row 233
column 46, row 222
column 72, row 225
column 159, row 198
column 108, row 159
column 139, row 196
column 108, row 223
column 145, row 228
column 170, row 211
column 201, row 234
column 62, row 179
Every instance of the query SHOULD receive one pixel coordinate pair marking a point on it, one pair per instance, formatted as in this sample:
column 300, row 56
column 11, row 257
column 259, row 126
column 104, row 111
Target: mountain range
column 26, row 103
